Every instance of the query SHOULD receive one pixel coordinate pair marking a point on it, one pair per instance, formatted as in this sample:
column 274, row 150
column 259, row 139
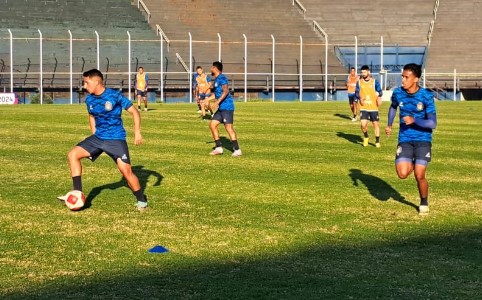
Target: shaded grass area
column 305, row 213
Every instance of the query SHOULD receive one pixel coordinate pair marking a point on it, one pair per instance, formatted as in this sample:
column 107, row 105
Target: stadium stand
column 258, row 20
column 110, row 18
column 455, row 43
column 406, row 24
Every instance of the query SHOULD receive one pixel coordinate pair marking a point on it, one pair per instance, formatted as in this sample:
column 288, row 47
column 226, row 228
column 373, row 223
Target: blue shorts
column 369, row 115
column 204, row 96
column 114, row 148
column 419, row 153
column 224, row 116
column 352, row 98
column 141, row 93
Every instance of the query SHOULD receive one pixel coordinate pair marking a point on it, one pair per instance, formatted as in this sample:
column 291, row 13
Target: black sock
column 140, row 196
column 77, row 183
column 424, row 201
column 218, row 143
column 235, row 144
column 365, row 134
column 139, row 107
column 377, row 138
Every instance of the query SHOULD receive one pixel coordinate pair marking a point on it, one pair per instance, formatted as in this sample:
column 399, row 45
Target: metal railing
column 141, row 4
column 300, row 7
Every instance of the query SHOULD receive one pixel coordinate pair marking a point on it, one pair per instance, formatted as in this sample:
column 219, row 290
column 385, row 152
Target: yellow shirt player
column 142, row 82
column 351, row 81
column 369, row 93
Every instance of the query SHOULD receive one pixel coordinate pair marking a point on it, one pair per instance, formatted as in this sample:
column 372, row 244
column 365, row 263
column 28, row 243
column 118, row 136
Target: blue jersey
column 107, row 110
column 227, row 103
column 416, row 105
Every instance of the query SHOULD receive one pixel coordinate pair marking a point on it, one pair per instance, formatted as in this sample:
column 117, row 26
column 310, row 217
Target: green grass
column 306, row 213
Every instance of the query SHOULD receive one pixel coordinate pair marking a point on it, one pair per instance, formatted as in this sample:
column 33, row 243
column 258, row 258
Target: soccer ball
column 75, row 200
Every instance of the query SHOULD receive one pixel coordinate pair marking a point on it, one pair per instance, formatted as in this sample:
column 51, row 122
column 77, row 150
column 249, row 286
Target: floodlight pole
column 162, row 67
column 41, row 69
column 245, row 68
column 382, row 71
column 70, row 68
column 190, row 68
column 219, row 47
column 325, row 36
column 356, row 55
column 98, row 50
column 272, row 70
column 301, row 69
column 11, row 60
column 129, row 64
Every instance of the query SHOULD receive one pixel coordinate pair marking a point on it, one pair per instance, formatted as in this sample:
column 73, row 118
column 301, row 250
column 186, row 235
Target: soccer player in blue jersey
column 108, row 134
column 224, row 107
column 417, row 120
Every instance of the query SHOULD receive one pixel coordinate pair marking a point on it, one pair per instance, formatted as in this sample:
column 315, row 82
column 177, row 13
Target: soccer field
column 305, row 213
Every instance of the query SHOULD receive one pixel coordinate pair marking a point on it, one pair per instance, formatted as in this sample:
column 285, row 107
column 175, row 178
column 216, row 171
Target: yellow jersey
column 368, row 94
column 141, row 81
column 351, row 83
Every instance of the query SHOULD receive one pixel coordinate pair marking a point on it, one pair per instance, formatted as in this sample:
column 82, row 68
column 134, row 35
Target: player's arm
column 147, row 82
column 136, row 117
column 392, row 112
column 430, row 122
column 357, row 94
column 92, row 123
column 379, row 90
column 223, row 96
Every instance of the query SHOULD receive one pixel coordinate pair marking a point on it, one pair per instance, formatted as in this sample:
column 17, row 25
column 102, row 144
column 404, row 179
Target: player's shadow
column 355, row 139
column 141, row 173
column 343, row 116
column 378, row 188
column 226, row 143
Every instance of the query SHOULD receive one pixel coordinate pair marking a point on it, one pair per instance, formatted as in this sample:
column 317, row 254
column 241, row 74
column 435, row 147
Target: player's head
column 199, row 70
column 414, row 68
column 410, row 77
column 217, row 68
column 365, row 71
column 93, row 81
column 140, row 70
column 352, row 71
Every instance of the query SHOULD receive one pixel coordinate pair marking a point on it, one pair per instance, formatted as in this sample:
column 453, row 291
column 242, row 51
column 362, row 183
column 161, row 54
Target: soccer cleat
column 145, row 109
column 141, row 206
column 377, row 145
column 237, row 153
column 217, row 151
column 423, row 209
column 353, row 119
column 365, row 142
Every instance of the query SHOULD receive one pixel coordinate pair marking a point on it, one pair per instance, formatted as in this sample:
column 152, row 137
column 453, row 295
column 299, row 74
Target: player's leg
column 364, row 127
column 214, row 127
column 351, row 101
column 88, row 148
column 119, row 152
column 202, row 106
column 376, row 127
column 422, row 153
column 207, row 101
column 144, row 97
column 139, row 96
column 228, row 116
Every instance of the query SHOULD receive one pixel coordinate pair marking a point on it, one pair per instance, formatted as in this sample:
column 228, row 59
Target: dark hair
column 352, row 68
column 218, row 65
column 365, row 67
column 94, row 73
column 414, row 68
column 199, row 67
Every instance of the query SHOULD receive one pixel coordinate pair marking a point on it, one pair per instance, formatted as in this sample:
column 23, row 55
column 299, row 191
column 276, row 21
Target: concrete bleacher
column 110, row 18
column 455, row 42
column 258, row 21
column 399, row 22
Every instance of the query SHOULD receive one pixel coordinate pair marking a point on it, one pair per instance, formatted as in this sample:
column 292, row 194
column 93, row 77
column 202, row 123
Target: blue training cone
column 158, row 249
